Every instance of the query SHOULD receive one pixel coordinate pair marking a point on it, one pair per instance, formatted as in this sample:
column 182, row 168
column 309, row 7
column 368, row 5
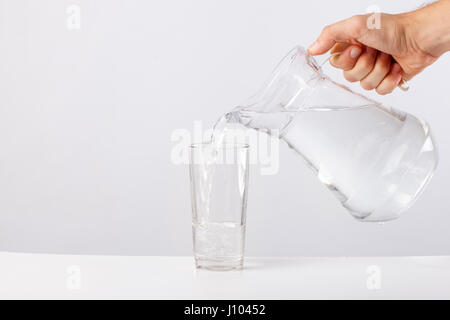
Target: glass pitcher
column 375, row 159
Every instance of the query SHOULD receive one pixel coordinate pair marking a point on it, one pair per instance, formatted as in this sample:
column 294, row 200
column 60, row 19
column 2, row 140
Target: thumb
column 344, row 31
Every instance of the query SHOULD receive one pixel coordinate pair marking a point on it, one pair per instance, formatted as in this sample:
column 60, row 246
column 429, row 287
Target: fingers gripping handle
column 404, row 86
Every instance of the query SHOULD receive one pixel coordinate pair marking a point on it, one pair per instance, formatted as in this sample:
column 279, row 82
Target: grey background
column 86, row 118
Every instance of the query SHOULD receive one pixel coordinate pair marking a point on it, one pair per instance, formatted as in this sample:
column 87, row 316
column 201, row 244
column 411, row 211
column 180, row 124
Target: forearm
column 431, row 27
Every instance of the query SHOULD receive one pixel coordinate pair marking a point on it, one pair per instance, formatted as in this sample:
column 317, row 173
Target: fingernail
column 312, row 48
column 355, row 52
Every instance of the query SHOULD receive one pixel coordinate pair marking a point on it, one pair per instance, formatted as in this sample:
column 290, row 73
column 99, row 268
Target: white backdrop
column 86, row 117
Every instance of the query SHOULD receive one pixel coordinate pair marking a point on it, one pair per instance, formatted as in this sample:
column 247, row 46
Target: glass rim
column 225, row 145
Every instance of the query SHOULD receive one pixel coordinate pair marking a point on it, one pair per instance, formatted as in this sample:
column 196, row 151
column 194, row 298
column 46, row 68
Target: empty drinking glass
column 219, row 179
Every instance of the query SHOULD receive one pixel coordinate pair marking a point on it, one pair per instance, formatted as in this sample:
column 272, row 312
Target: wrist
column 428, row 28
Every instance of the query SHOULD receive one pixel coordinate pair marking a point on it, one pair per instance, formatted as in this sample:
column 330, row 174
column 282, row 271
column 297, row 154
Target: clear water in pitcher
column 374, row 159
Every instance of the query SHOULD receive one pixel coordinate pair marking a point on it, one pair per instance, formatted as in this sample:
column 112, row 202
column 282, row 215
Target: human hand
column 379, row 58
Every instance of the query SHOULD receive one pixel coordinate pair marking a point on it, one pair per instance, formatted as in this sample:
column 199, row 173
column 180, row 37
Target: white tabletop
column 118, row 277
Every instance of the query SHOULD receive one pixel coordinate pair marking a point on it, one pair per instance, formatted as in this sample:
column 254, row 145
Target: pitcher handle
column 403, row 85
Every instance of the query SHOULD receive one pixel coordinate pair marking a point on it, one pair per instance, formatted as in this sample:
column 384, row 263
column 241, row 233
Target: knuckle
column 367, row 86
column 350, row 77
column 347, row 67
column 355, row 19
column 382, row 91
column 356, row 24
column 326, row 29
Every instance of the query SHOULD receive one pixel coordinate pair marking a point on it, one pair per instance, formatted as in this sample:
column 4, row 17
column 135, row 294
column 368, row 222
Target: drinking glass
column 219, row 180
